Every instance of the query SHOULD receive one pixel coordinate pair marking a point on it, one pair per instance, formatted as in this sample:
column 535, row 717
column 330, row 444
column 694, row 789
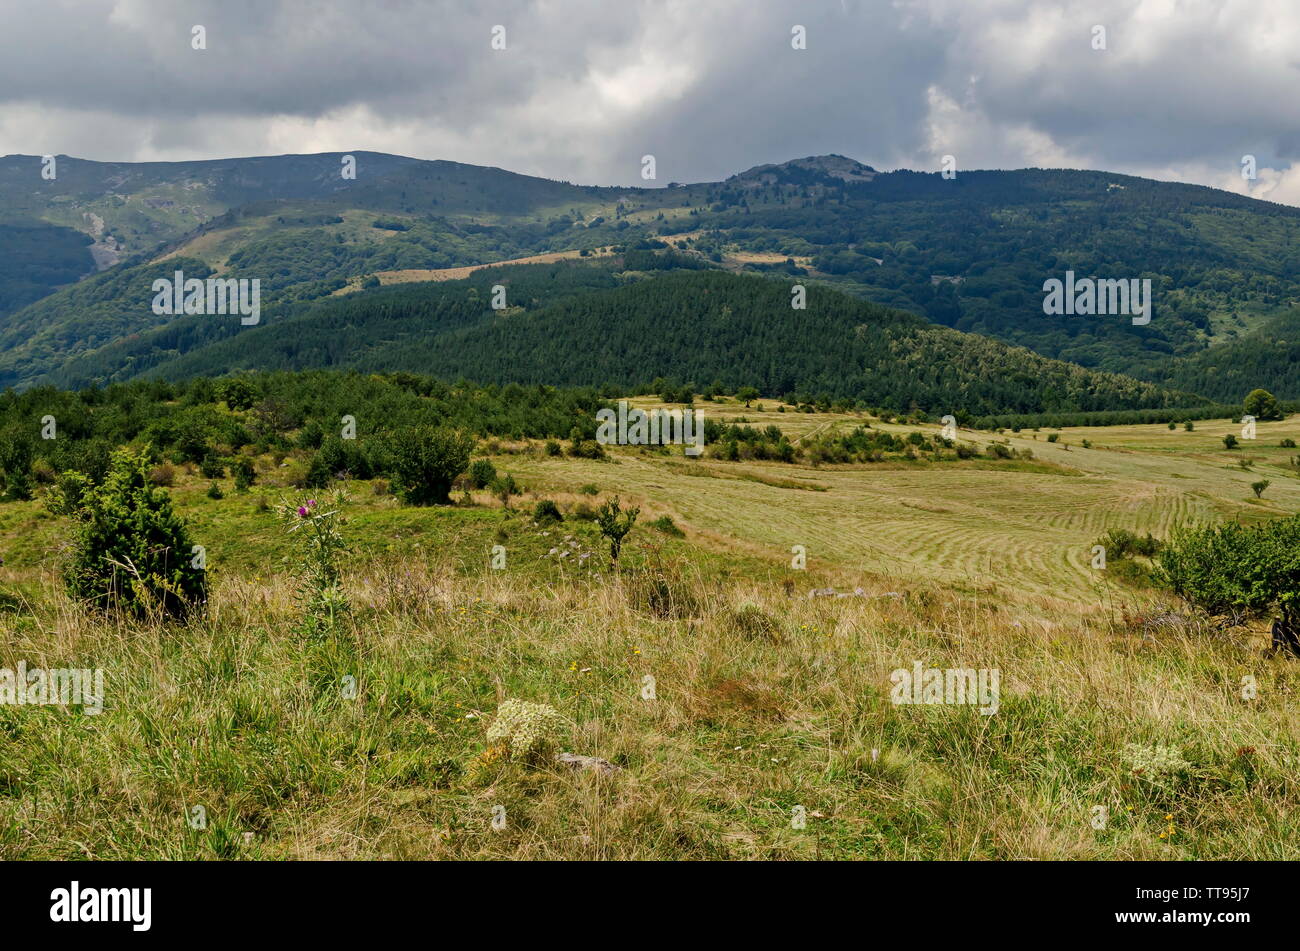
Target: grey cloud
column 710, row 88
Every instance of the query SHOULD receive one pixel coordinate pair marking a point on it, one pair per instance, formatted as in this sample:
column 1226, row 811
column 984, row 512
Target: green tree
column 747, row 394
column 237, row 392
column 16, row 451
column 614, row 525
column 131, row 551
column 1262, row 405
column 427, row 460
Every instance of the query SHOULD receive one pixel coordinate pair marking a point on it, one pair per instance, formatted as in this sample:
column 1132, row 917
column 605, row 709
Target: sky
column 583, row 89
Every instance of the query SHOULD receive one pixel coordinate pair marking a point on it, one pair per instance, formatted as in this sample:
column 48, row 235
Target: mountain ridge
column 969, row 253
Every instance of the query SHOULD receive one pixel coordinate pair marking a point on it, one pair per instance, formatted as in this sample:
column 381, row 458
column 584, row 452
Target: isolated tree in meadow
column 1262, row 405
column 1230, row 441
column 614, row 525
column 131, row 551
column 1259, row 487
column 426, row 461
column 747, row 394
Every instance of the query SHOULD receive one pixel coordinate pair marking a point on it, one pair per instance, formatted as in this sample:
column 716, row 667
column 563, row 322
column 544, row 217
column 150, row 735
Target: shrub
column 589, row 489
column 1230, row 441
column 1238, row 570
column 1259, row 487
column 546, row 511
column 212, row 468
column 16, row 452
column 666, row 525
column 162, row 475
column 504, row 487
column 587, row 449
column 481, row 474
column 614, row 525
column 426, row 461
column 214, row 491
column 318, row 473
column 245, row 474
column 1053, row 437
column 237, row 392
column 553, row 448
column 131, row 552
column 1121, row 543
column 1287, row 444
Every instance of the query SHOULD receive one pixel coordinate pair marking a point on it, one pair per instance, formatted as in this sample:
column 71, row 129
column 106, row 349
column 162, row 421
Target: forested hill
column 971, row 252
column 575, row 325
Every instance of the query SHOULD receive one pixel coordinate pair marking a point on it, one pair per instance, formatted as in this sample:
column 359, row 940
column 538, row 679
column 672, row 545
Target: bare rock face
column 578, row 761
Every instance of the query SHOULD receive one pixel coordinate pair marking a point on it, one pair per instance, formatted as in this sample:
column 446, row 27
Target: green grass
column 766, row 699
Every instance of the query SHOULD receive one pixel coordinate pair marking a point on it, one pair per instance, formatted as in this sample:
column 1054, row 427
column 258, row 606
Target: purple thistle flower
column 302, row 511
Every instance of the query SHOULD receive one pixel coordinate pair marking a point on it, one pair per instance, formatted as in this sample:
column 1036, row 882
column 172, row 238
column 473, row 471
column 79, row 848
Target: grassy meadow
column 767, row 702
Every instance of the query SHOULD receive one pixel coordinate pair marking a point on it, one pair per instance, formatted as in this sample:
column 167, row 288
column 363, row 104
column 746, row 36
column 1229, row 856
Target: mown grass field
column 766, row 699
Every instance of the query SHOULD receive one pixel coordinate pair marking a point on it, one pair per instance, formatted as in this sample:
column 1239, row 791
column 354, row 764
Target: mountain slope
column 971, row 253
column 573, row 324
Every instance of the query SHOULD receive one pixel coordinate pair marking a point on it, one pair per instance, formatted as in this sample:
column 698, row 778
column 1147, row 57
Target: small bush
column 131, row 552
column 547, row 511
column 163, row 476
column 665, row 524
column 214, row 491
column 587, row 449
column 481, row 474
column 1121, row 543
column 614, row 525
column 503, row 487
column 245, row 475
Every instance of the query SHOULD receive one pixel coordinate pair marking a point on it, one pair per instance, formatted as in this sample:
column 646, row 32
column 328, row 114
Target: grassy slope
column 239, row 715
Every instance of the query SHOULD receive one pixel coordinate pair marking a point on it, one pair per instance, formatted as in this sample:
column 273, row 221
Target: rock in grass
column 578, row 761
